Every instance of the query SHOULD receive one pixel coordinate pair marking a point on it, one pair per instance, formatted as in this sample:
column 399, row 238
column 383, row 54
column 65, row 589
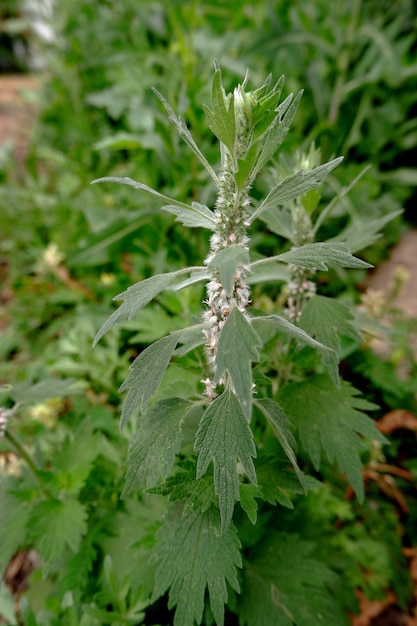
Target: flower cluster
column 300, row 291
column 232, row 221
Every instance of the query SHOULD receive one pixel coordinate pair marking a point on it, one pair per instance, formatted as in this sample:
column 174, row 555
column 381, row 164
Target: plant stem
column 29, row 462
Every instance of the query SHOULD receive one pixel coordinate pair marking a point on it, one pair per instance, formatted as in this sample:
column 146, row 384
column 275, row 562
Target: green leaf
column 291, row 330
column 277, row 131
column 279, row 423
column 13, row 525
column 155, row 444
column 73, row 461
column 363, row 233
column 296, row 185
column 136, row 297
column 223, row 437
column 221, row 117
column 192, row 555
column 198, row 494
column 226, row 261
column 146, row 373
column 285, row 586
column 237, row 347
column 196, row 215
column 185, row 134
column 55, row 525
column 277, row 482
column 330, row 421
column 324, row 318
column 317, row 256
column 248, row 493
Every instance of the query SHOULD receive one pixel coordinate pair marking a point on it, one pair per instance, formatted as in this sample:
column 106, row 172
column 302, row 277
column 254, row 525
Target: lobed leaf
column 237, row 347
column 279, row 423
column 194, row 555
column 196, row 215
column 66, row 523
column 296, row 185
column 146, row 373
column 277, row 132
column 317, row 256
column 278, row 575
column 155, row 444
column 223, row 437
column 330, row 421
column 222, row 115
column 136, row 297
column 185, row 134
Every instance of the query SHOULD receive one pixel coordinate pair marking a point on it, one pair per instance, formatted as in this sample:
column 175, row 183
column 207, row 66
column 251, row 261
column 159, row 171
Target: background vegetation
column 67, row 247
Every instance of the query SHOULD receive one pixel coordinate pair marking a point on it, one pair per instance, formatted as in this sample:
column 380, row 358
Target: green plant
column 232, row 440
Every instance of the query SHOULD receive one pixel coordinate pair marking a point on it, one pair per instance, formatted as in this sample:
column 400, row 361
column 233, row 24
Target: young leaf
column 192, row 555
column 278, row 421
column 330, row 421
column 222, row 115
column 226, row 261
column 146, row 373
column 185, row 134
column 196, row 215
column 277, row 131
column 223, row 437
column 248, row 494
column 155, row 444
column 317, row 256
column 66, row 523
column 279, row 575
column 237, row 348
column 295, row 185
column 136, row 297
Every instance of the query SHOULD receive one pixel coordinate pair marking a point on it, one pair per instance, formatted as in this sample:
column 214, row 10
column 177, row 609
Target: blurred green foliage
column 67, row 247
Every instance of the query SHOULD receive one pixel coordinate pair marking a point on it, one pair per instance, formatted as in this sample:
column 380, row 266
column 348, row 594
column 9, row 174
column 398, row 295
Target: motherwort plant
column 243, row 428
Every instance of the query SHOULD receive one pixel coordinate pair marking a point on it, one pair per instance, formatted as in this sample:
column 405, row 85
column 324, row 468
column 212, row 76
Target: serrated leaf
column 272, row 272
column 194, row 555
column 363, row 233
column 248, row 494
column 226, row 261
column 221, row 116
column 196, row 215
column 296, row 185
column 330, row 421
column 279, row 573
column 185, row 134
column 279, row 423
column 72, row 462
column 125, row 180
column 55, row 525
column 317, row 256
column 14, row 517
column 324, row 318
column 223, row 437
column 190, row 338
column 136, row 297
column 197, row 494
column 236, row 349
column 277, row 131
column 277, row 481
column 146, row 373
column 155, row 444
column 288, row 328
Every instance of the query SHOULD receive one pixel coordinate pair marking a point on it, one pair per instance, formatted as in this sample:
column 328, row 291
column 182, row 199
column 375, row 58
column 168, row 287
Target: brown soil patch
column 17, row 112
